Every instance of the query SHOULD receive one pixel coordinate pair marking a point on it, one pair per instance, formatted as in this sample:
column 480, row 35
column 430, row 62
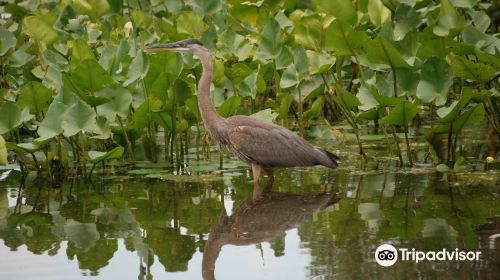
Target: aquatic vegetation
column 75, row 79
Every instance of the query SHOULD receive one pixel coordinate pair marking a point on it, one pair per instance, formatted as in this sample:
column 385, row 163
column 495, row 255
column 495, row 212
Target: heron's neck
column 212, row 120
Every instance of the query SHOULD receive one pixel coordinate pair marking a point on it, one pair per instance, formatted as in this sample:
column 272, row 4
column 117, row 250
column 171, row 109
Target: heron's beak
column 176, row 47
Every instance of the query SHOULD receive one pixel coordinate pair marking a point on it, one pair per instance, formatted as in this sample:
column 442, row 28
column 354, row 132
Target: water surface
column 315, row 223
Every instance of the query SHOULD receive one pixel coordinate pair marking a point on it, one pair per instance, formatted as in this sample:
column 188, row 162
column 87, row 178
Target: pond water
column 143, row 222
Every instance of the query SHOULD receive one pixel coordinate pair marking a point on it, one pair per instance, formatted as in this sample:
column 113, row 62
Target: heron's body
column 262, row 144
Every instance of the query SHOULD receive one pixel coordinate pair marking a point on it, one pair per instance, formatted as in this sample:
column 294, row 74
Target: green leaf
column 137, row 69
column 377, row 12
column 56, row 60
column 78, row 117
column 348, row 99
column 449, row 20
column 229, row 107
column 248, row 87
column 144, row 113
column 449, row 114
column 80, row 51
column 309, row 32
column 180, row 92
column 51, row 124
column 3, row 152
column 94, row 8
column 26, row 147
column 89, row 76
column 366, row 95
column 20, row 57
column 436, row 79
column 270, row 45
column 286, row 100
column 402, row 114
column 464, row 3
column 315, row 109
column 96, row 157
column 35, row 96
column 319, row 63
column 321, row 132
column 231, row 43
column 381, row 51
column 468, row 118
column 265, row 115
column 290, row 77
column 340, row 9
column 301, row 62
column 7, row 41
column 237, row 72
column 205, row 7
column 119, row 102
column 164, row 119
column 190, row 24
column 469, row 70
column 12, row 116
column 406, row 19
column 344, row 40
column 40, row 27
column 141, row 19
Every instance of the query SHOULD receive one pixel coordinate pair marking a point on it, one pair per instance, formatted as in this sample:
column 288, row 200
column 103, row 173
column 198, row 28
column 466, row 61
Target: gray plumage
column 262, row 144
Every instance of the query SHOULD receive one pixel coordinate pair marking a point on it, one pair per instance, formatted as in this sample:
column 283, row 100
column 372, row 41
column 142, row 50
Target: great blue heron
column 262, row 144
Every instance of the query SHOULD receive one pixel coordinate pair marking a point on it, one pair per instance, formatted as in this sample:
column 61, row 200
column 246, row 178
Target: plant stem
column 408, row 150
column 125, row 135
column 301, row 127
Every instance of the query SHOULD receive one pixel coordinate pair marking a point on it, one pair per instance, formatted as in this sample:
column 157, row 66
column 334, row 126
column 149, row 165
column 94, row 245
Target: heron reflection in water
column 261, row 220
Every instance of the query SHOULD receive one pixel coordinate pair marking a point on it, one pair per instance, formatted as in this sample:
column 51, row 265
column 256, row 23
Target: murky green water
column 127, row 226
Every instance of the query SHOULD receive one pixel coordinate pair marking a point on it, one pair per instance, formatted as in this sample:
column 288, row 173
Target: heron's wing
column 272, row 146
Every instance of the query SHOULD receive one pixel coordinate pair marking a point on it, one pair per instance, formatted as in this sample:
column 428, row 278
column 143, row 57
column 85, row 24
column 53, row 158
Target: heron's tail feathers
column 332, row 159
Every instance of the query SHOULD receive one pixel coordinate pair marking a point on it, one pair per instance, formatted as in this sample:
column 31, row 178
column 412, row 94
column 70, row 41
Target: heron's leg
column 257, row 193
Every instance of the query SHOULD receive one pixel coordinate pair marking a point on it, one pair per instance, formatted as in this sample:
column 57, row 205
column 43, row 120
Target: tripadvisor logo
column 387, row 255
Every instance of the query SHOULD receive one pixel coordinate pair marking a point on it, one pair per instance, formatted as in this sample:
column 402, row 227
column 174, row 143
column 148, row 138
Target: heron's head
column 188, row 46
